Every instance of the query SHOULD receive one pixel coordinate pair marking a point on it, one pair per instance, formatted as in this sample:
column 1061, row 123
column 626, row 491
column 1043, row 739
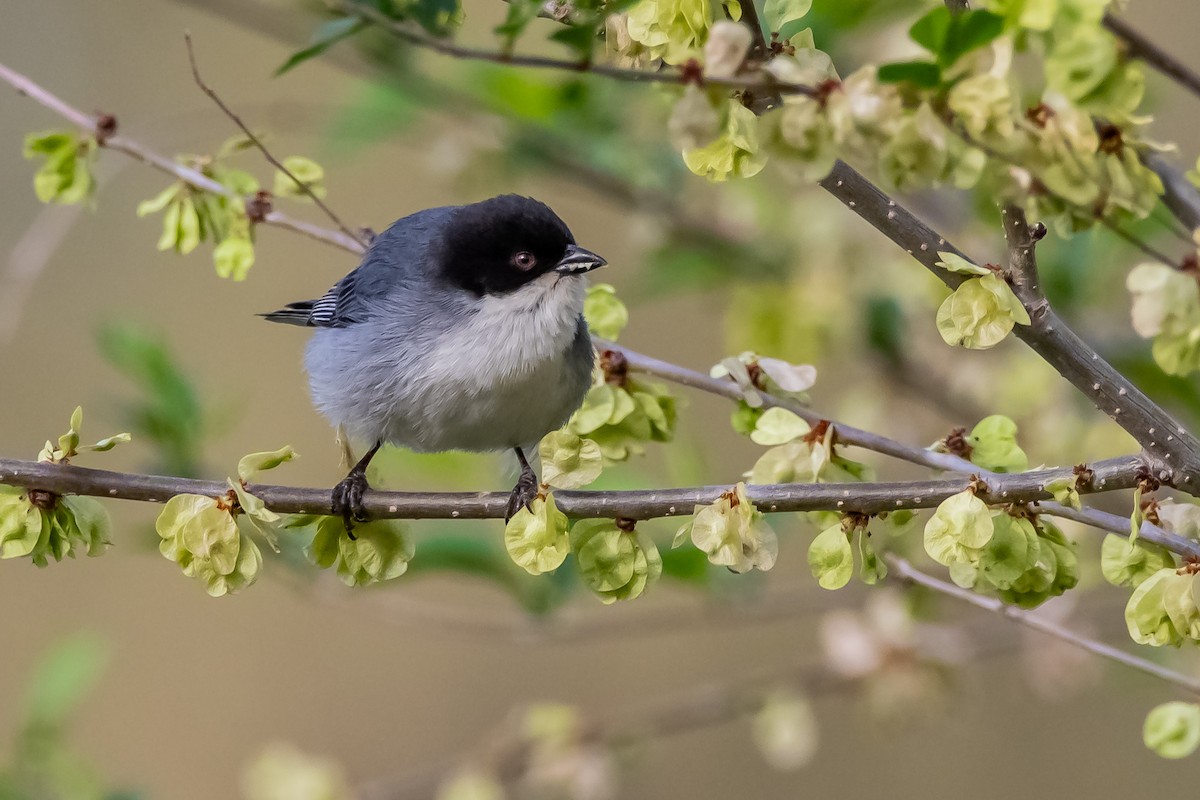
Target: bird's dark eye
column 524, row 260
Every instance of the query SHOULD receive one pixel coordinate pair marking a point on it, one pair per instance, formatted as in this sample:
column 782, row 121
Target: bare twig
column 845, row 434
column 192, row 177
column 279, row 165
column 1140, row 47
column 761, row 82
column 906, row 572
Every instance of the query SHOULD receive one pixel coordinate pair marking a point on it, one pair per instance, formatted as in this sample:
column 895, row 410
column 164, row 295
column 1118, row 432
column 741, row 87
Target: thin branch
column 844, row 434
column 864, row 498
column 1140, row 47
column 1049, row 336
column 763, row 83
column 301, row 185
column 194, row 178
column 906, row 572
column 1136, row 242
column 1180, row 196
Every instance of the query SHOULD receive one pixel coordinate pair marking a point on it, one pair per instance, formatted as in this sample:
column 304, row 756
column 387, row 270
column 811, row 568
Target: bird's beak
column 578, row 260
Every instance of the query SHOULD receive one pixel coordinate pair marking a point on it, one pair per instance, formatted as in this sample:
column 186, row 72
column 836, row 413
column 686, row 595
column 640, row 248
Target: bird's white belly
column 501, row 380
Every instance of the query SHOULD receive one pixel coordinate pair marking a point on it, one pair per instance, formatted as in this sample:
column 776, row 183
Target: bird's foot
column 348, row 499
column 524, row 493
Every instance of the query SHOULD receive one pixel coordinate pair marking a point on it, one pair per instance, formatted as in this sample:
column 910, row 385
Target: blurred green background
column 403, row 678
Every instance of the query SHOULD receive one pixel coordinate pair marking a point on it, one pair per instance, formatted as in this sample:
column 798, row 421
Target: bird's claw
column 524, row 493
column 348, row 499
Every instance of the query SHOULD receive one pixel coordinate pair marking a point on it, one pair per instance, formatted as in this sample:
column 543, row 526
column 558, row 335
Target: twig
column 764, row 82
column 1179, row 195
column 864, row 498
column 1049, row 336
column 1143, row 48
column 845, row 434
column 301, row 185
column 906, row 572
column 192, row 177
column 1134, row 241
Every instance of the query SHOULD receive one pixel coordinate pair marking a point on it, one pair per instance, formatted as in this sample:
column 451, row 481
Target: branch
column 1179, row 195
column 846, row 434
column 301, row 185
column 864, row 498
column 906, row 572
column 763, row 83
column 1143, row 48
column 194, row 178
column 1048, row 336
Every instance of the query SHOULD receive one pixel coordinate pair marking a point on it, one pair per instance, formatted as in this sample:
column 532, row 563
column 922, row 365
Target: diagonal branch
column 301, row 185
column 1141, row 47
column 194, row 178
column 1049, row 336
column 909, row 574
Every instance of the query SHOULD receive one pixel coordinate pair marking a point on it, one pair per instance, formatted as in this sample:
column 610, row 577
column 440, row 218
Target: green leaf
column 994, row 445
column 830, row 558
column 1173, row 729
column 778, row 426
column 959, row 527
column 969, row 31
column 325, row 37
column 379, row 551
column 108, row 443
column 871, row 568
column 159, row 201
column 933, row 29
column 1146, row 614
column 251, row 465
column 956, row 263
column 234, row 257
column 536, row 537
column 924, row 74
column 90, row 523
column 780, row 15
column 951, row 35
column 606, row 315
column 1125, row 563
column 1005, row 557
column 569, row 461
column 306, row 171
column 189, row 226
column 732, row 533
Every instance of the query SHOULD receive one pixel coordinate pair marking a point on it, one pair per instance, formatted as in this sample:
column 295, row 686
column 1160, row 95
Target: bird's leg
column 526, row 489
column 348, row 495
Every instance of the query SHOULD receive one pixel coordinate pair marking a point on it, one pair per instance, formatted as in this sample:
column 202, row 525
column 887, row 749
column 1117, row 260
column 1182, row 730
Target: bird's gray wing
column 396, row 257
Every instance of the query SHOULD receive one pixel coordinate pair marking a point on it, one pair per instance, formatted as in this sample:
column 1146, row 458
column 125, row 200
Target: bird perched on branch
column 462, row 329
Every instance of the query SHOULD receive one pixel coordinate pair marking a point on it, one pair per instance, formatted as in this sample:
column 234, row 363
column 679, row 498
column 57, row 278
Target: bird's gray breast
column 487, row 373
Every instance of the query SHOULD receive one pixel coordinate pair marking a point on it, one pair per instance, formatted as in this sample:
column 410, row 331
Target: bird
column 461, row 329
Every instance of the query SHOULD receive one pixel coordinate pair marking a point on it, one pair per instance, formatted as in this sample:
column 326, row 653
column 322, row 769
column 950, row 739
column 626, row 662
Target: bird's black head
column 499, row 245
